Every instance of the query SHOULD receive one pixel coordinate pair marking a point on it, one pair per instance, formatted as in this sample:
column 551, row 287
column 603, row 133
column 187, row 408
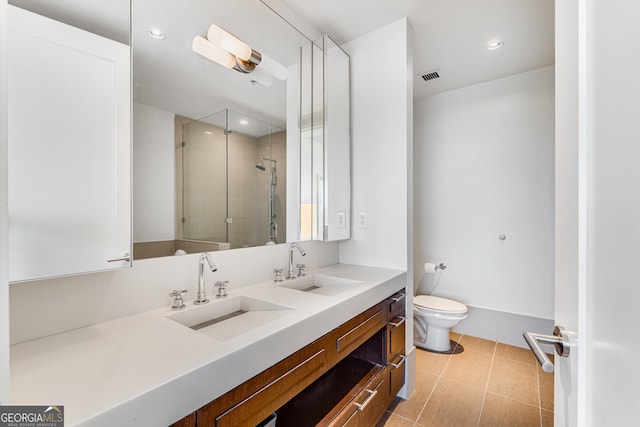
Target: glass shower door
column 204, row 175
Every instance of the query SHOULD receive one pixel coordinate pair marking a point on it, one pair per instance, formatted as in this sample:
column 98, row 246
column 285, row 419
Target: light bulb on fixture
column 229, row 42
column 245, row 59
column 273, row 67
column 203, row 47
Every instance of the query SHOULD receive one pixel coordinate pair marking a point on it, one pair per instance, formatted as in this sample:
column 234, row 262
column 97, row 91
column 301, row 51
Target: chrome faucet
column 202, row 296
column 290, row 272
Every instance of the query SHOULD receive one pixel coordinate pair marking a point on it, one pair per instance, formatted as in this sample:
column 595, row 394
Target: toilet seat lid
column 439, row 304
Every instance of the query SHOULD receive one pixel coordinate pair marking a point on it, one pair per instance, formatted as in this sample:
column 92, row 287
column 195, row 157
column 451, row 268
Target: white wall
column 154, row 175
column 4, row 262
column 381, row 101
column 381, row 152
column 484, row 166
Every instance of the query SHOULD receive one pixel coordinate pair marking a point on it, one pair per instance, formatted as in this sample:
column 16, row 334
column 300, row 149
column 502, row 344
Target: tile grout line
column 415, row 423
column 514, row 400
column 494, row 360
column 539, row 405
column 486, row 387
column 432, row 391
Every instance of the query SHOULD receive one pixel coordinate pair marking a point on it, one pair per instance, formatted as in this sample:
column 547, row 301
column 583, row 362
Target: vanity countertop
column 147, row 370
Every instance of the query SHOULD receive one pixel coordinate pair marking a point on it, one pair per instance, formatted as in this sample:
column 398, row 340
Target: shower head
column 261, row 166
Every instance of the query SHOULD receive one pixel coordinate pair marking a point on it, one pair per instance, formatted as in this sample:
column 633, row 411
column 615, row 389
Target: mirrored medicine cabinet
column 221, row 160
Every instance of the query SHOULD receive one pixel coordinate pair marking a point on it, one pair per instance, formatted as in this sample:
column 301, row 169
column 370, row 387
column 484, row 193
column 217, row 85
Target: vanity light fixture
column 155, row 33
column 229, row 51
column 201, row 46
column 494, row 45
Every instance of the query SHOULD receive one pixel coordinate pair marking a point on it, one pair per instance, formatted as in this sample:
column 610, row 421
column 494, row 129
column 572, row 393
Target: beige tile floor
column 489, row 384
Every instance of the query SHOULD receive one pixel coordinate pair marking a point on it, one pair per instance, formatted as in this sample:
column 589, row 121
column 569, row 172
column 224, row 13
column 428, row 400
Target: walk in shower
column 232, row 181
column 273, row 182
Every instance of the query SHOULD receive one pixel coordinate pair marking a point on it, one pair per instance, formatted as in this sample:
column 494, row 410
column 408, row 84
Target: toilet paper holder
column 431, row 267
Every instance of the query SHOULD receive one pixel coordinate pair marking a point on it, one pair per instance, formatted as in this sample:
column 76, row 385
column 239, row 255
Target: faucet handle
column 301, row 268
column 178, row 301
column 222, row 288
column 277, row 274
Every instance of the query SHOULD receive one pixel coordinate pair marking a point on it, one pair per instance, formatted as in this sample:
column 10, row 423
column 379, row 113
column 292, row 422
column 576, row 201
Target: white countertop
column 147, row 370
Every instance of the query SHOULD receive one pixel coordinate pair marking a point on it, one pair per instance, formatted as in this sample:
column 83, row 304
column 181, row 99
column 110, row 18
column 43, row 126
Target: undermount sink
column 321, row 285
column 227, row 318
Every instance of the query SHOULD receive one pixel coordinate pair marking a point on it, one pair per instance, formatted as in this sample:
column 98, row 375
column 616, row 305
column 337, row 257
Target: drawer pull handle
column 400, row 363
column 368, row 400
column 398, row 298
column 396, row 324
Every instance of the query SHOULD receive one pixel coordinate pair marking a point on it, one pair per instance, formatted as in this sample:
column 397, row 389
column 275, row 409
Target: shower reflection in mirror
column 273, row 182
column 233, row 176
column 230, row 185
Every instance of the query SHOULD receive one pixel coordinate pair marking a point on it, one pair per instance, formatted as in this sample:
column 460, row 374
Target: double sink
column 226, row 318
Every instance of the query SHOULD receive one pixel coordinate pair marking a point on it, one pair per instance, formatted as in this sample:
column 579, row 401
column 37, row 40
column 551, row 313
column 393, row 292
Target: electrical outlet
column 341, row 219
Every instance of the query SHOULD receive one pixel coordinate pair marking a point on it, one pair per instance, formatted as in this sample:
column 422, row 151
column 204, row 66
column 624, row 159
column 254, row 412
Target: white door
column 598, row 211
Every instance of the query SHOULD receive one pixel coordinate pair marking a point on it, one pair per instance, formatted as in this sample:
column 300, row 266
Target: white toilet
column 434, row 317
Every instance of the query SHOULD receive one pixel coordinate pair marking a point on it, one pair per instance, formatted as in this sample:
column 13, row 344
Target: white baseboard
column 501, row 326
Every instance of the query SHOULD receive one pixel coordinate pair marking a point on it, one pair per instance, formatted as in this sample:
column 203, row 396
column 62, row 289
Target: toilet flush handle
column 560, row 339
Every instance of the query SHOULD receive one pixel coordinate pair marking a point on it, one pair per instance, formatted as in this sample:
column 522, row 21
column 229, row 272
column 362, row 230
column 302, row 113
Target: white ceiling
column 107, row 18
column 449, row 35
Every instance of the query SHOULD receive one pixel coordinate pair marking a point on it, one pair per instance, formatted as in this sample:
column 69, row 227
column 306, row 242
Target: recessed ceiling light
column 494, row 44
column 155, row 33
column 243, row 122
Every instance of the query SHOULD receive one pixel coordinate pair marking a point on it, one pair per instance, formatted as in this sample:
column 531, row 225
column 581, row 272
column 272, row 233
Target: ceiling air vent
column 431, row 75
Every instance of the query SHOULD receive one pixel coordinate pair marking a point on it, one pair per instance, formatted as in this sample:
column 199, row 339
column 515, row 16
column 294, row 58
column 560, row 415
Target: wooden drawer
column 396, row 305
column 367, row 406
column 253, row 401
column 343, row 378
column 358, row 330
column 396, row 375
column 396, row 338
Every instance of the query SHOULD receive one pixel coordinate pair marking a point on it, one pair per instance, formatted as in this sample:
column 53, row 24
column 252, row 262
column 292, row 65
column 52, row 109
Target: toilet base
column 434, row 333
column 438, row 339
column 431, row 337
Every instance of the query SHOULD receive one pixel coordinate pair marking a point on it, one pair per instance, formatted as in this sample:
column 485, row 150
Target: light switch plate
column 363, row 219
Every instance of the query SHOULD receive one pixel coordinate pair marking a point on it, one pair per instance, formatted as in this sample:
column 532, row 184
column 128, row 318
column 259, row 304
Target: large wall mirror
column 211, row 144
column 217, row 150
